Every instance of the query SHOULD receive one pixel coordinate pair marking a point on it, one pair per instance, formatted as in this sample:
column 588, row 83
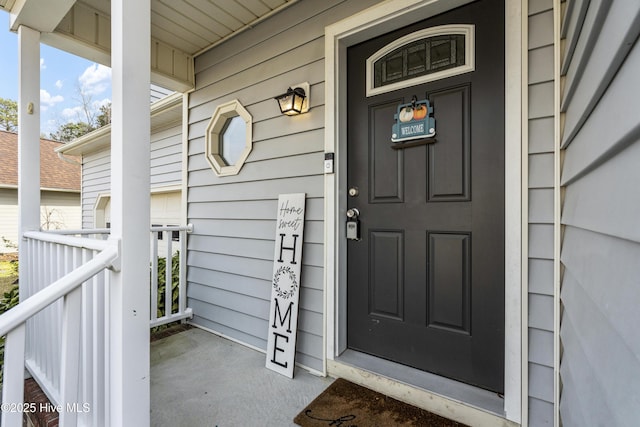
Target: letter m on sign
column 285, row 284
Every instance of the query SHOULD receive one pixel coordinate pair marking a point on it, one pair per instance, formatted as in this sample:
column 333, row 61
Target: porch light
column 295, row 100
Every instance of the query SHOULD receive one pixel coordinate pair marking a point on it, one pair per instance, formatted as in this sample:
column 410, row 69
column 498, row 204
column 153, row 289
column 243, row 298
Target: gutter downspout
column 68, row 160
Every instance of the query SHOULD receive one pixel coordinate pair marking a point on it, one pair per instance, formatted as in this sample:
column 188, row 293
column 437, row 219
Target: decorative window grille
column 423, row 56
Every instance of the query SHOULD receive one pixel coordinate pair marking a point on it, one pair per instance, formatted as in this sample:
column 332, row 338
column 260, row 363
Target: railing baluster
column 41, row 337
column 154, row 276
column 13, row 382
column 54, row 312
column 168, row 289
column 69, row 369
column 25, row 288
column 182, row 312
column 106, row 401
column 86, row 354
column 98, row 334
column 182, row 295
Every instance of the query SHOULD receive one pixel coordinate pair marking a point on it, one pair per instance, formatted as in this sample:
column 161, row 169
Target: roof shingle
column 55, row 173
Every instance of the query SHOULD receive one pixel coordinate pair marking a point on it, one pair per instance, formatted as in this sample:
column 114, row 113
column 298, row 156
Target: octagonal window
column 228, row 138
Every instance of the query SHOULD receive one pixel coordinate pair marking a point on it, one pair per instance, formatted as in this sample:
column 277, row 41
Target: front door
column 426, row 279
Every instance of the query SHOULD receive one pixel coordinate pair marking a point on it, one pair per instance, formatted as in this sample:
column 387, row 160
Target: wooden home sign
column 285, row 284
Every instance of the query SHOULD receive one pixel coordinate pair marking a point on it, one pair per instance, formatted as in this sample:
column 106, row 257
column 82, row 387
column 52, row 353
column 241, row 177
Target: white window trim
column 468, row 31
column 102, row 199
column 221, row 114
column 99, row 214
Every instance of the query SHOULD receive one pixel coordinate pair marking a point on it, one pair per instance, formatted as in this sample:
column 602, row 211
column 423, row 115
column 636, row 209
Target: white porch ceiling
column 180, row 29
column 6, row 4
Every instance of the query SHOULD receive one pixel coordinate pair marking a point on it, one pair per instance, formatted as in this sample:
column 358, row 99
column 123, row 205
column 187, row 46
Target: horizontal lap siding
column 234, row 217
column 541, row 208
column 96, row 180
column 166, row 170
column 166, row 157
column 59, row 210
column 600, row 367
column 9, row 219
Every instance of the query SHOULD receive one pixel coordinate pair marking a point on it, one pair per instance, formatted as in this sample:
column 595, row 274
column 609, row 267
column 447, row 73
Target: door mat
column 347, row 404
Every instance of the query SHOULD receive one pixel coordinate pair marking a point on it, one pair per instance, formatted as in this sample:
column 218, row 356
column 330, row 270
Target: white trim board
column 368, row 24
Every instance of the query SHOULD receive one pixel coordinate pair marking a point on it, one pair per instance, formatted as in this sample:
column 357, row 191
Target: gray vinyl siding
column 166, row 157
column 540, row 214
column 166, row 169
column 600, row 365
column 231, row 249
column 158, row 92
column 96, row 180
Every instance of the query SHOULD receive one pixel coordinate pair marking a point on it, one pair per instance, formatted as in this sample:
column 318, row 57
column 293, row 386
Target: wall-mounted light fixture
column 295, row 100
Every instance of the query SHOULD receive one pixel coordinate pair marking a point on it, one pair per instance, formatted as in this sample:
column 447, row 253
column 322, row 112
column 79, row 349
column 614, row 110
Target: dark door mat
column 347, row 404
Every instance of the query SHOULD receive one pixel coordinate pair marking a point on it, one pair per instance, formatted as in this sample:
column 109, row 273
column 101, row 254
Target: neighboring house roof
column 55, row 173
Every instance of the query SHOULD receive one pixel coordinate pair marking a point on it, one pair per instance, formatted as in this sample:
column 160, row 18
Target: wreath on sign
column 282, row 274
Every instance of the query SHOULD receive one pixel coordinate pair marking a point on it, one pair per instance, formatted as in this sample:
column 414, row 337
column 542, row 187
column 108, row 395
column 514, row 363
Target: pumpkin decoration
column 420, row 112
column 406, row 114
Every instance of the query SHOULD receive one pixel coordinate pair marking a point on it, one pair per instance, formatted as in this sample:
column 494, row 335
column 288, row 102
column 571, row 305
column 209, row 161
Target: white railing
column 164, row 246
column 170, row 250
column 63, row 317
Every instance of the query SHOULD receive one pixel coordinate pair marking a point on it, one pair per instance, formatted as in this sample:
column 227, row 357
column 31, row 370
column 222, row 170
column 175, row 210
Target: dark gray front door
column 426, row 280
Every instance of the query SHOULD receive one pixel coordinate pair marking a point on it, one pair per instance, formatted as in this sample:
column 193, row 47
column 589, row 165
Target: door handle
column 353, row 224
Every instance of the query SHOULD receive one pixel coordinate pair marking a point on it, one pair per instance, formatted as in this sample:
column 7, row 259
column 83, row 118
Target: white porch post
column 129, row 392
column 28, row 137
column 28, row 201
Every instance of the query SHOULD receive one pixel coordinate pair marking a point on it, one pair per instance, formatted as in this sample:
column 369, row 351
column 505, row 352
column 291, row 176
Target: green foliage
column 104, row 118
column 162, row 284
column 8, row 115
column 70, row 131
column 8, row 301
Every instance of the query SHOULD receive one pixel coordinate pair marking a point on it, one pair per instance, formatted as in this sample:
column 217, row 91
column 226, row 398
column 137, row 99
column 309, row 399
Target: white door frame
column 372, row 22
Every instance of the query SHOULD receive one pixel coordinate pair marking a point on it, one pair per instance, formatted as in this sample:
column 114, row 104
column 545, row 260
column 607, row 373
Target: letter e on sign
column 285, row 284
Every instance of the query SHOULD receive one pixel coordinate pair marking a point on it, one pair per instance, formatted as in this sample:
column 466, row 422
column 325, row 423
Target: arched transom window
column 420, row 57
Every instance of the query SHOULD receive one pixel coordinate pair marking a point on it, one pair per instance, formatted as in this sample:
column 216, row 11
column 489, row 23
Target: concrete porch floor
column 201, row 379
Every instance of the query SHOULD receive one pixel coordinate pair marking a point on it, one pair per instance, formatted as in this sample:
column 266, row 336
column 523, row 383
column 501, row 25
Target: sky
column 62, row 77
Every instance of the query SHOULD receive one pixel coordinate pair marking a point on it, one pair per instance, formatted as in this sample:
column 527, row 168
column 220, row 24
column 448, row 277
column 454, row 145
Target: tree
column 70, row 131
column 92, row 120
column 104, row 118
column 8, row 115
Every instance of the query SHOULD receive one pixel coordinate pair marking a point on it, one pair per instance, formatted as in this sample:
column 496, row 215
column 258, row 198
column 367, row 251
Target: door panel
column 426, row 281
column 449, row 172
column 449, row 256
column 386, row 170
column 386, row 290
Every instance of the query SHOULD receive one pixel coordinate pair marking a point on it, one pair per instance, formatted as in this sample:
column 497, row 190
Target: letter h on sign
column 288, row 248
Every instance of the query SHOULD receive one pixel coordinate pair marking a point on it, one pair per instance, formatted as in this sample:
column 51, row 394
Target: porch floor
column 201, row 379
